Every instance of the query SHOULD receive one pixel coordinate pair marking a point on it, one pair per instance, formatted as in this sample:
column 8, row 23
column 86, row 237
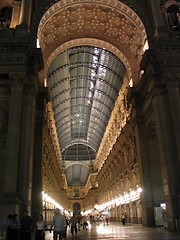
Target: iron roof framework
column 84, row 83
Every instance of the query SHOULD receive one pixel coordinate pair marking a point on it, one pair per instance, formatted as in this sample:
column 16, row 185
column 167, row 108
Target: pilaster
column 172, row 82
column 143, row 158
column 9, row 196
column 168, row 155
column 25, row 12
column 27, row 143
column 38, row 156
column 160, row 30
column 161, row 75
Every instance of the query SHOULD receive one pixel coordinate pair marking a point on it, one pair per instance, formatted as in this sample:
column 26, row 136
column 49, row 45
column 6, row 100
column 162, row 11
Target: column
column 9, row 187
column 143, row 160
column 154, row 166
column 174, row 100
column 25, row 12
column 26, row 145
column 170, row 166
column 38, row 156
column 15, row 14
column 158, row 19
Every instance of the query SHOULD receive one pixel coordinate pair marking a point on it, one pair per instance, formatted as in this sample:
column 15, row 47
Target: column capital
column 159, row 88
column 172, row 80
column 30, row 89
column 17, row 78
column 16, row 3
column 5, row 89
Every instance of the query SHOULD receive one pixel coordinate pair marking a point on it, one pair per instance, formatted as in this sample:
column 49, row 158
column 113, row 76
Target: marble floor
column 116, row 231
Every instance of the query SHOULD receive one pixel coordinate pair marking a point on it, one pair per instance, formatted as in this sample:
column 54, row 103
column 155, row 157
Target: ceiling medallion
column 117, row 23
column 73, row 17
column 73, row 27
column 113, row 32
column 102, row 28
column 103, row 17
column 88, row 27
column 88, row 15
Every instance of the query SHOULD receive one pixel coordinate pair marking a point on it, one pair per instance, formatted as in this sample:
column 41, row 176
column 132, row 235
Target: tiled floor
column 116, row 231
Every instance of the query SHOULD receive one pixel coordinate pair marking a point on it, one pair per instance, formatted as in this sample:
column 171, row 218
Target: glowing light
column 45, row 82
column 146, row 46
column 37, row 43
column 163, row 205
column 131, row 83
column 133, row 195
column 87, row 212
column 48, row 199
column 96, row 206
column 139, row 190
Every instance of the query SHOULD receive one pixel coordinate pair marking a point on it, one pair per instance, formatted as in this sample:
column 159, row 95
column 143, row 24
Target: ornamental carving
column 4, row 116
column 69, row 20
column 5, row 90
column 119, row 118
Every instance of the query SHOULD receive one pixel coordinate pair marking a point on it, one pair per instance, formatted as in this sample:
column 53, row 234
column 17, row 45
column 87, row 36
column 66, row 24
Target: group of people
column 11, row 226
column 21, row 229
column 14, row 228
column 60, row 224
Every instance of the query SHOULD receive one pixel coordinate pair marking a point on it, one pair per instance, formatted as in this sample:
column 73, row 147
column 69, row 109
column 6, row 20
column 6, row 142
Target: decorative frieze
column 30, row 90
column 4, row 118
column 5, row 90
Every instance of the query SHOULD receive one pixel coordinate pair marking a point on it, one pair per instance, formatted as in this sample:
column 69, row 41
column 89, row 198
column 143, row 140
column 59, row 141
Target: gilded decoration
column 119, row 118
column 114, row 21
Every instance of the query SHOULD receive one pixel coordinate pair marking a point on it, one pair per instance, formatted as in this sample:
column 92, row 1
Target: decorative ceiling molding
column 105, row 7
column 111, row 24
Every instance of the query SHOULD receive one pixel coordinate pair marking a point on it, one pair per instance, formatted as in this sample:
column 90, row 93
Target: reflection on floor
column 116, row 231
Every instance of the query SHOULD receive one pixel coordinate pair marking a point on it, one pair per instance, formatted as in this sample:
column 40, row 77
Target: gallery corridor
column 116, row 231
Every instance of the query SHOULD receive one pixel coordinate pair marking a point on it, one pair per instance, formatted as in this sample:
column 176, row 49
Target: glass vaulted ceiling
column 84, row 83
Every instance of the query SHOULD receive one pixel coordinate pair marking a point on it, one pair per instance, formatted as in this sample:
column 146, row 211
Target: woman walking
column 40, row 228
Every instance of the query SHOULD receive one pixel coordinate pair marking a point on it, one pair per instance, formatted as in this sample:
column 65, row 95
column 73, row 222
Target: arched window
column 5, row 17
column 173, row 16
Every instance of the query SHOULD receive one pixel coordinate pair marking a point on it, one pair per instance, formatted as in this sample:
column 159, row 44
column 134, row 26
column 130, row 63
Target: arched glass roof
column 84, row 83
column 77, row 175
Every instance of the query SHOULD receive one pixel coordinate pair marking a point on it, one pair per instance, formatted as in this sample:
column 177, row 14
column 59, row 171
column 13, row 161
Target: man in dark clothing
column 73, row 223
column 26, row 226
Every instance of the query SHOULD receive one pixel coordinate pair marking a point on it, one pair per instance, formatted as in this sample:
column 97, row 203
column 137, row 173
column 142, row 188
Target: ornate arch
column 112, row 24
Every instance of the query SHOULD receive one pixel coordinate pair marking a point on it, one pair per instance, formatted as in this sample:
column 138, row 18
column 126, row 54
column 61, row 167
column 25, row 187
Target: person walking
column 26, row 226
column 40, row 228
column 7, row 227
column 123, row 220
column 15, row 227
column 85, row 223
column 107, row 219
column 65, row 231
column 59, row 224
column 79, row 220
column 73, row 223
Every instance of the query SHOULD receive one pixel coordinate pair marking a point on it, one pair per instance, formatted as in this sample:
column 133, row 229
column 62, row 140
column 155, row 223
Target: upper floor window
column 5, row 17
column 173, row 17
